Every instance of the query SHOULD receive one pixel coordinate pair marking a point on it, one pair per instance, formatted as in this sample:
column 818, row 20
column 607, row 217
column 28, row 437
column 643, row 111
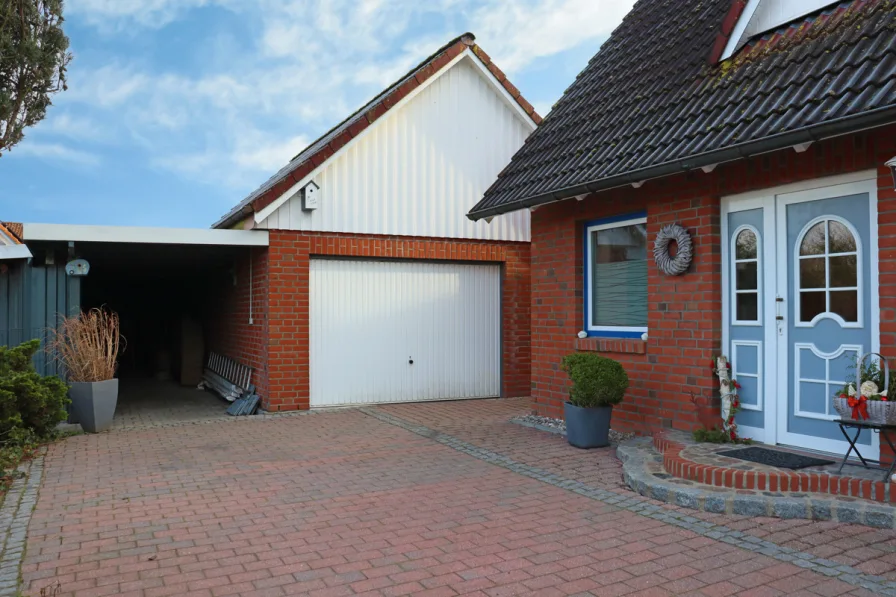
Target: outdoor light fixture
column 892, row 166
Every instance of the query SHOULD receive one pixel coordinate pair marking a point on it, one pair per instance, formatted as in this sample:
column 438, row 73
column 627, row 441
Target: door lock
column 410, row 361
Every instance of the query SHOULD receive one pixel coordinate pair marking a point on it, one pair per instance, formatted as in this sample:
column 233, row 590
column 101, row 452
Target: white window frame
column 827, row 382
column 759, row 277
column 827, row 314
column 737, row 374
column 629, row 331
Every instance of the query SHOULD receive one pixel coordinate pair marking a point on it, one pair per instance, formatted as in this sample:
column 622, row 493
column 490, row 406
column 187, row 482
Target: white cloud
column 268, row 154
column 150, row 13
column 251, row 106
column 54, row 152
column 237, row 166
column 108, row 86
column 515, row 33
column 78, row 128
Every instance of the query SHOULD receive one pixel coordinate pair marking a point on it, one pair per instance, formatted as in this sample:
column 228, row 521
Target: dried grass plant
column 87, row 345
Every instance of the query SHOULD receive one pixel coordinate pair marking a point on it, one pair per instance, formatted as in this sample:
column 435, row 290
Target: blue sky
column 177, row 109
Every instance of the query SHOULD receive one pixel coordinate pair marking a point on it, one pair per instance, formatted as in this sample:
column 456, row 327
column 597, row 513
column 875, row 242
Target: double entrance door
column 800, row 306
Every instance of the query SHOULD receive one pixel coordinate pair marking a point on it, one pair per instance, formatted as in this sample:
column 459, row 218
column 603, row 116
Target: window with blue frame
column 616, row 276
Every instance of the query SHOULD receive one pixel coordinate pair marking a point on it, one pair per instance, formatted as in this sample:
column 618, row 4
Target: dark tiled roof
column 652, row 103
column 321, row 150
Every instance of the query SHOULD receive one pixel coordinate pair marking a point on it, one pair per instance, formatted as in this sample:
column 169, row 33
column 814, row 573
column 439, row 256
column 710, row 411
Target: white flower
column 851, row 391
column 868, row 388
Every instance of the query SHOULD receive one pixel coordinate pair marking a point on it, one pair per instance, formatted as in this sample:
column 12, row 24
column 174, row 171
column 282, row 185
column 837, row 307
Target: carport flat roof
column 144, row 235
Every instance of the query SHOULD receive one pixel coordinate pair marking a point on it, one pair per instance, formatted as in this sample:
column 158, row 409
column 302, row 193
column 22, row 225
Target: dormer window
column 762, row 16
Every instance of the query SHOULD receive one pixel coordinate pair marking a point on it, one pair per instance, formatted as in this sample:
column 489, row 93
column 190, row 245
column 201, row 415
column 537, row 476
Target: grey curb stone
column 880, row 517
column 745, row 505
column 821, row 509
column 847, row 514
column 638, row 505
column 785, row 508
column 15, row 515
column 712, row 503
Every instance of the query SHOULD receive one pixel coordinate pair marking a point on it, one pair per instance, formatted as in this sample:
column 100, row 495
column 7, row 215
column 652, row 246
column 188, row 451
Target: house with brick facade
column 374, row 286
column 760, row 127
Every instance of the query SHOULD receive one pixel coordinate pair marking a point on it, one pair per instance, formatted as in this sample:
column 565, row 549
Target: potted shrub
column 598, row 383
column 87, row 347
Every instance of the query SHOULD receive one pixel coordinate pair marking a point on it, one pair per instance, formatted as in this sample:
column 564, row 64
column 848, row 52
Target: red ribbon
column 859, row 407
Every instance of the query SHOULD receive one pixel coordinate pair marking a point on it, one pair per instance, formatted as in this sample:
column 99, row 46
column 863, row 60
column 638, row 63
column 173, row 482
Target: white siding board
column 368, row 317
column 421, row 167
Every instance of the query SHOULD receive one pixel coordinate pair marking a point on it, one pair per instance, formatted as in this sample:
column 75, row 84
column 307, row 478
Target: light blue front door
column 828, row 312
column 800, row 308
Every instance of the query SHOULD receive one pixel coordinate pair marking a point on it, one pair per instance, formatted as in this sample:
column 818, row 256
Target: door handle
column 778, row 301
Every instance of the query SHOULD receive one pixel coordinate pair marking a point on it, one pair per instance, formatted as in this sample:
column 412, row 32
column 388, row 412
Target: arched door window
column 828, row 278
column 747, row 276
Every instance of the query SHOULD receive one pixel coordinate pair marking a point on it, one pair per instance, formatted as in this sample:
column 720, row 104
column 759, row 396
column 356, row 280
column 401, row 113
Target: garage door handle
column 410, row 361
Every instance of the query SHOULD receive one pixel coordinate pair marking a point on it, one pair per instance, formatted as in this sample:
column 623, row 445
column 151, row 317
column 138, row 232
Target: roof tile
column 648, row 101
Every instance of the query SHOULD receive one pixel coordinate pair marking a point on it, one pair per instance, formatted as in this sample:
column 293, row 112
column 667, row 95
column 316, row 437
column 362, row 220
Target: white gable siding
column 421, row 167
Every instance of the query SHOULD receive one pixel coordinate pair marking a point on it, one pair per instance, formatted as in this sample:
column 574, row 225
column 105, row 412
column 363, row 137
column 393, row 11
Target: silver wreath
column 673, row 266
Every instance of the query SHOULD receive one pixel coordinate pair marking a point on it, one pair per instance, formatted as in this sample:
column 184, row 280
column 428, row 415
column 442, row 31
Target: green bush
column 31, row 405
column 596, row 380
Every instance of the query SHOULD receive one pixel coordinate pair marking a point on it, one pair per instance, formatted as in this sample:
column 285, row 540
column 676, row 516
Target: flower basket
column 874, row 408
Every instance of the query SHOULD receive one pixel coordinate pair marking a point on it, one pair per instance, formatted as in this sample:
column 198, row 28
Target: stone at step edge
column 635, row 454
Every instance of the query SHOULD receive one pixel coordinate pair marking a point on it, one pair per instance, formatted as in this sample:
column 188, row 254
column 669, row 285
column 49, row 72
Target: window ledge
column 618, row 345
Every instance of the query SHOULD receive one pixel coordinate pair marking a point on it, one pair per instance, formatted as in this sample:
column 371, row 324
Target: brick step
column 644, row 471
column 695, row 462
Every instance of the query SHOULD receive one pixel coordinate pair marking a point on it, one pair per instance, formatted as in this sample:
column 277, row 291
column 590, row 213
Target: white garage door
column 390, row 331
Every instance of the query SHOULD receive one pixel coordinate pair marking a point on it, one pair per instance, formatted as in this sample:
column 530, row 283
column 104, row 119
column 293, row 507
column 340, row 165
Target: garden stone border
column 15, row 515
column 643, row 507
column 559, row 427
column 637, row 453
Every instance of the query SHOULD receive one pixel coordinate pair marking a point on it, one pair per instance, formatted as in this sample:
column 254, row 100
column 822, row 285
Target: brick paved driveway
column 350, row 503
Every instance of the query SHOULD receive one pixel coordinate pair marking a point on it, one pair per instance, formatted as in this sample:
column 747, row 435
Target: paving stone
column 446, row 488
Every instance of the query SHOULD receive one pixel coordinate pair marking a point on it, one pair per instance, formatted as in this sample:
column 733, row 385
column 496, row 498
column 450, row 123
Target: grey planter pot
column 587, row 427
column 93, row 403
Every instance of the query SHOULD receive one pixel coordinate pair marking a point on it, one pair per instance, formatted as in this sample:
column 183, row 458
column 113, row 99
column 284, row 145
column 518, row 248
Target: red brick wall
column 685, row 318
column 288, row 266
column 228, row 329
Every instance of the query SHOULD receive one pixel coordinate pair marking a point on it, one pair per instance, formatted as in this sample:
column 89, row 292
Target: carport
column 166, row 284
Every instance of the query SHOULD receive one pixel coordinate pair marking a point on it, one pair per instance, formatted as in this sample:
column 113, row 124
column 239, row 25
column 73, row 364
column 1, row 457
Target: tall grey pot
column 587, row 427
column 93, row 403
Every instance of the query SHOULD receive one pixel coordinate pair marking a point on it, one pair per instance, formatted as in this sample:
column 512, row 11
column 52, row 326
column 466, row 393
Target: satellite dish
column 78, row 267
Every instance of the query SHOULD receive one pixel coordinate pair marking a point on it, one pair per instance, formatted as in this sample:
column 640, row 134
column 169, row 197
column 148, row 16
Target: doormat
column 775, row 458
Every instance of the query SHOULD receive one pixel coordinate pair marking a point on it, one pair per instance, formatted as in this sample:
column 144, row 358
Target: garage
column 401, row 331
